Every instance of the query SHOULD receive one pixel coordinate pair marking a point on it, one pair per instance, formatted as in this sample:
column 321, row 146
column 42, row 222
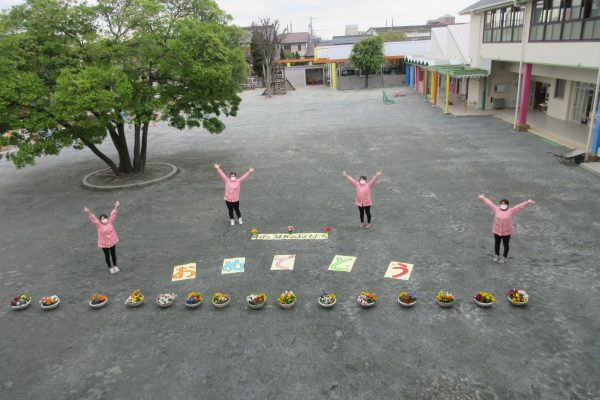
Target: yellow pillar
column 333, row 76
column 447, row 92
column 434, row 87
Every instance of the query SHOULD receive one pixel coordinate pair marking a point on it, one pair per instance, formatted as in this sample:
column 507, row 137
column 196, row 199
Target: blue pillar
column 407, row 75
column 596, row 141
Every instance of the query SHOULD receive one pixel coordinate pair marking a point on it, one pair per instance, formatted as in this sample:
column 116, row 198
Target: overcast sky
column 331, row 16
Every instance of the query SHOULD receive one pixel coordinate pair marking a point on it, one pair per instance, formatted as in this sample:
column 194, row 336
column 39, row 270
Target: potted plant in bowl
column 256, row 301
column 220, row 300
column 98, row 300
column 367, row 299
column 484, row 299
column 287, row 299
column 20, row 302
column 193, row 300
column 136, row 299
column 49, row 302
column 327, row 300
column 445, row 299
column 517, row 297
column 165, row 300
column 407, row 299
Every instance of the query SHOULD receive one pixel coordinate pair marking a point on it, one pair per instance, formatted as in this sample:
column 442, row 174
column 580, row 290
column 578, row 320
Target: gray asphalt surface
column 426, row 212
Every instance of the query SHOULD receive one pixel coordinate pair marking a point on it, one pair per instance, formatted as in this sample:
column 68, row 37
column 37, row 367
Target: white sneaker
column 240, row 221
column 112, row 270
column 116, row 268
column 232, row 222
column 502, row 260
column 367, row 226
column 496, row 258
column 361, row 226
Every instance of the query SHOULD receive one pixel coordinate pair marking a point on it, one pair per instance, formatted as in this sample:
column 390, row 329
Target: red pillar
column 418, row 80
column 524, row 99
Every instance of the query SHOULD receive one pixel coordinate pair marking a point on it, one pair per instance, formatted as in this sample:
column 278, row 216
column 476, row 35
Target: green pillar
column 484, row 94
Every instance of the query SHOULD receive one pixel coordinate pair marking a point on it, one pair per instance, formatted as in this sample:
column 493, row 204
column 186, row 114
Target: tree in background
column 267, row 37
column 393, row 36
column 257, row 64
column 367, row 55
column 72, row 74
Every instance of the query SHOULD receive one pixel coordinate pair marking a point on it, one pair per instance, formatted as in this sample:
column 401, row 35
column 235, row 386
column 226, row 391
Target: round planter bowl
column 484, row 305
column 22, row 306
column 520, row 304
column 288, row 305
column 99, row 305
column 222, row 305
column 368, row 305
column 165, row 305
column 257, row 306
column 139, row 303
column 445, row 305
column 326, row 305
column 406, row 304
column 52, row 306
column 193, row 305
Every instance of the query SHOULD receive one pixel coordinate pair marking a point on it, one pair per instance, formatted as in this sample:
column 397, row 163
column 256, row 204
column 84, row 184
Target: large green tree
column 72, row 74
column 367, row 55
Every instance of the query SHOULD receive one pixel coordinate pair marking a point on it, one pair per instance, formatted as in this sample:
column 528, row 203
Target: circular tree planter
column 445, row 305
column 518, row 304
column 105, row 179
column 407, row 305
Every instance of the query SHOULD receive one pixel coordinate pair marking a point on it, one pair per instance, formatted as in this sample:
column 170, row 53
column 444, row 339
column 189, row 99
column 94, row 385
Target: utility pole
column 310, row 28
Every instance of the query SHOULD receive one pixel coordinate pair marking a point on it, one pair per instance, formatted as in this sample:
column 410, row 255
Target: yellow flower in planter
column 254, row 231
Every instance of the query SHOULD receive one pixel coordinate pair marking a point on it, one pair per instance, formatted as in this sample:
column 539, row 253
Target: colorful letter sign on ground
column 342, row 263
column 290, row 236
column 183, row 272
column 398, row 270
column 233, row 265
column 283, row 262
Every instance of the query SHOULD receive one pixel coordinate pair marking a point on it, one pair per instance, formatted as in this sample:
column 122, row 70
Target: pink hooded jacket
column 503, row 220
column 232, row 189
column 107, row 235
column 363, row 192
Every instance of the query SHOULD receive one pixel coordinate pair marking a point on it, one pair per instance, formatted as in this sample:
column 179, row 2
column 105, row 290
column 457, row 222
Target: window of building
column 559, row 90
column 503, row 25
column 554, row 20
column 299, row 47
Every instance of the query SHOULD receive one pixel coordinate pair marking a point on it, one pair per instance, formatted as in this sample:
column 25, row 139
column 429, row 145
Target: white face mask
column 362, row 182
column 104, row 221
column 504, row 207
column 233, row 178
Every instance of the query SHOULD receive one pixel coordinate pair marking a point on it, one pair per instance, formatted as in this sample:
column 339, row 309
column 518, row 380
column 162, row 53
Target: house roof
column 350, row 39
column 484, row 5
column 295, row 37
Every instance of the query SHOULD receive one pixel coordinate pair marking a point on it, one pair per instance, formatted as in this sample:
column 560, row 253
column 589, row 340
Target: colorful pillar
column 407, row 75
column 413, row 74
column 425, row 82
column 596, row 141
column 524, row 100
column 418, row 78
column 333, row 76
column 447, row 92
column 434, row 87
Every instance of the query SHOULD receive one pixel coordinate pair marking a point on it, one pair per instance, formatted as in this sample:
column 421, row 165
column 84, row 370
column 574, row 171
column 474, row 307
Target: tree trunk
column 142, row 165
column 136, row 147
column 101, row 155
column 268, row 80
column 367, row 81
column 124, row 158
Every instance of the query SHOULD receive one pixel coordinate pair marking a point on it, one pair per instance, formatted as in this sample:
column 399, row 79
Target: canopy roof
column 459, row 71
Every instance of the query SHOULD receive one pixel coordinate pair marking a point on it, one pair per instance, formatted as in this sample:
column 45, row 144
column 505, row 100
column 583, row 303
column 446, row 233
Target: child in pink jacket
column 363, row 196
column 107, row 235
column 502, row 226
column 232, row 192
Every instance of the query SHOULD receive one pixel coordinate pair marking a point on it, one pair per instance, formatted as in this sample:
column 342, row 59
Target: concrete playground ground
column 426, row 212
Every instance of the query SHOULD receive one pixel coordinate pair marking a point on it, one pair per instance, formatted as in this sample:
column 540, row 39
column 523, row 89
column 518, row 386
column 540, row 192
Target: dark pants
column 363, row 210
column 505, row 240
column 110, row 252
column 235, row 205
